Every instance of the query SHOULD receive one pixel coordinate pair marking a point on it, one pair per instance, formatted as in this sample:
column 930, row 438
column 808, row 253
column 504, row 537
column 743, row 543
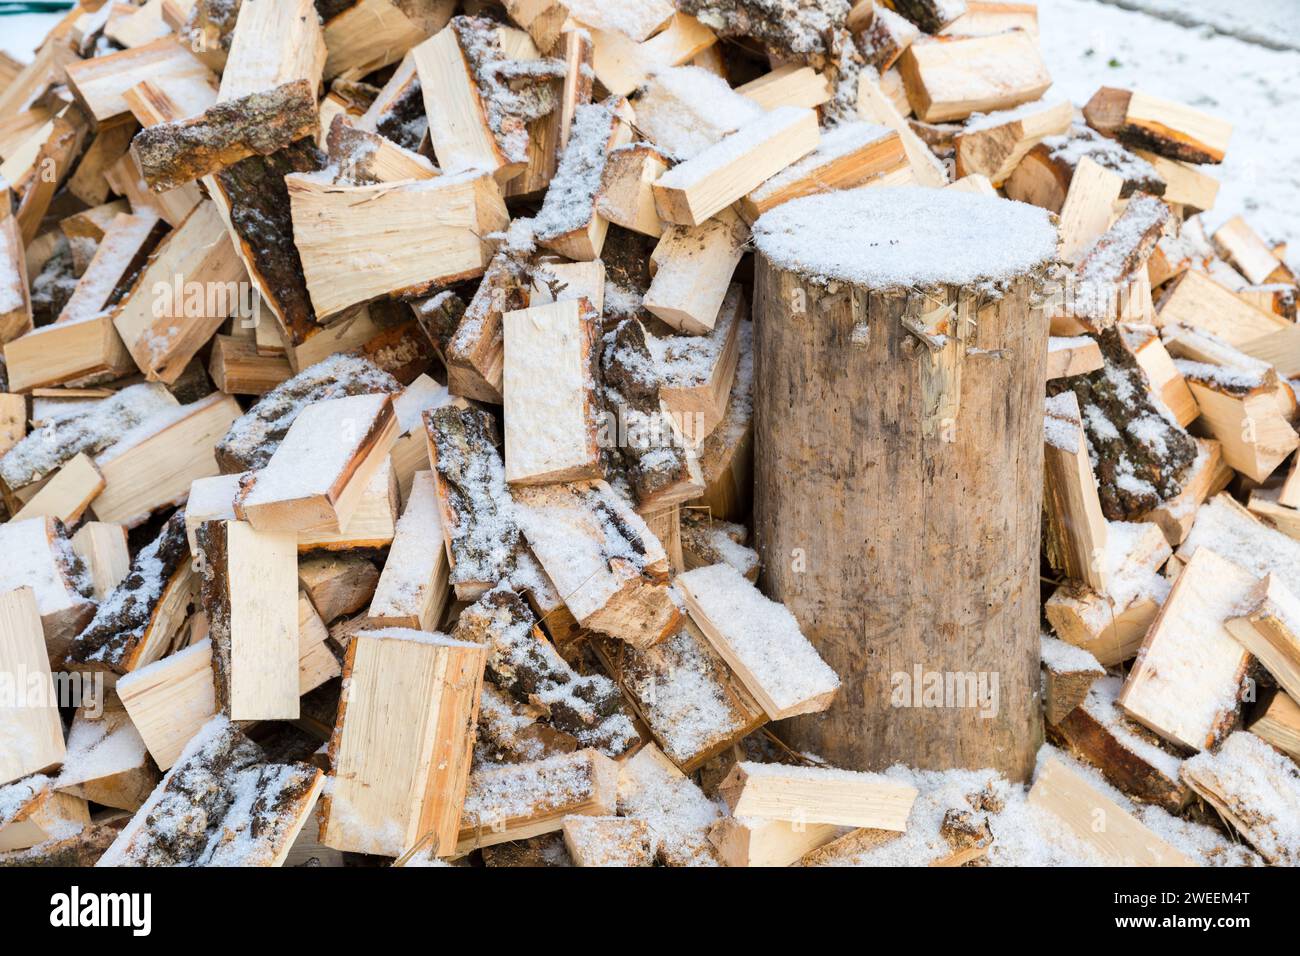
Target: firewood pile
column 377, row 419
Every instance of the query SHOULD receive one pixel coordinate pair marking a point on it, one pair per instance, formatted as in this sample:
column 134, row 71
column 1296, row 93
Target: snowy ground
column 1187, row 50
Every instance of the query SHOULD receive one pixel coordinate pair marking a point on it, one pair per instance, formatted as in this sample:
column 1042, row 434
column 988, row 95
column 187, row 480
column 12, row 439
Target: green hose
column 33, row 6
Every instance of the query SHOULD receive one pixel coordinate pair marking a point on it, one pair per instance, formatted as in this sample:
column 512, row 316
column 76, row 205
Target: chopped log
column 652, row 789
column 1088, row 208
column 249, row 590
column 1190, row 697
column 1250, row 254
column 337, row 584
column 170, row 700
column 994, row 144
column 1075, row 535
column 106, row 763
column 364, row 157
column 881, row 34
column 1078, row 803
column 368, row 36
column 706, row 541
column 1185, row 185
column 696, row 372
column 34, row 727
column 1168, row 129
column 932, row 16
column 412, row 590
column 410, row 454
column 1266, row 625
column 801, row 795
column 67, row 495
column 409, row 791
column 1206, row 477
column 1077, row 355
column 102, row 547
column 1162, row 374
column 32, row 812
column 693, row 269
column 790, row 84
column 625, row 196
column 476, row 353
column 1068, row 673
column 950, row 78
column 101, row 82
column 745, row 842
column 81, row 849
column 608, row 841
column 609, row 568
column 1279, row 725
column 1198, row 301
column 874, row 106
column 273, row 44
column 622, row 65
column 1256, row 789
column 744, row 627
column 15, row 296
column 237, row 368
column 41, row 557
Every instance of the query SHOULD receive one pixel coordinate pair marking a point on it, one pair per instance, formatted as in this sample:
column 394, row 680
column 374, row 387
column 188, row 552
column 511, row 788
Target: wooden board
column 31, row 735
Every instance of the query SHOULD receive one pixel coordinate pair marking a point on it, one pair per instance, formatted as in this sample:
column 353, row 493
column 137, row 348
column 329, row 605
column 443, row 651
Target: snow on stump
column 899, row 467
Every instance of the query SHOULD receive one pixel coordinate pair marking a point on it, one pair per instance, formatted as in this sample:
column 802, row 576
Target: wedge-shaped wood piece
column 101, row 82
column 995, row 144
column 31, row 730
column 1089, row 207
column 15, row 296
column 316, row 477
column 405, row 236
column 365, row 157
column 707, row 541
column 272, row 44
column 700, row 188
column 135, row 626
column 875, row 107
column 187, row 290
column 696, row 372
column 1075, row 355
column 745, row 842
column 172, row 154
column 316, row 661
column 626, row 196
column 693, row 269
column 102, row 546
column 852, row 154
column 1280, row 725
column 1068, row 673
column 1185, row 185
column 1128, row 755
column 770, row 791
column 41, row 558
column 608, row 841
column 170, row 700
column 1206, row 476
column 1269, row 627
column 1076, row 531
column 949, row 78
column 373, row 523
column 788, row 85
column 1098, row 821
column 1163, row 375
column 518, row 801
column 249, row 590
column 1256, row 789
column 33, row 812
column 68, row 494
column 745, row 628
column 407, row 790
column 550, row 393
column 1166, row 128
column 622, row 64
column 1250, row 254
column 237, row 368
column 368, row 36
column 609, row 568
column 476, row 354
column 154, row 465
column 107, row 762
column 652, row 789
column 1196, row 300
column 1188, row 674
column 412, row 590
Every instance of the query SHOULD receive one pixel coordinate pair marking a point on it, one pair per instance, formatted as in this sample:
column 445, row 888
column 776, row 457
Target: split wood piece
column 1185, row 185
column 1076, row 531
column 652, row 789
column 1166, row 128
column 1185, row 682
column 1067, row 356
column 41, row 557
column 15, row 296
column 13, row 422
column 852, row 154
column 34, row 812
column 237, row 368
column 674, row 686
column 983, row 18
column 549, row 387
column 707, row 541
column 880, row 34
column 874, row 106
column 373, row 524
column 316, row 661
column 1089, row 207
column 1267, row 627
column 482, row 537
column 249, row 590
column 1250, row 254
column 68, row 494
column 1288, row 494
column 138, row 26
column 155, row 464
column 608, row 841
column 410, row 453
column 317, row 476
column 87, row 228
column 755, row 842
column 476, row 353
column 548, row 136
column 45, row 70
column 1281, row 349
column 569, row 222
column 1068, row 673
column 174, row 153
column 1120, row 840
column 949, row 78
column 1279, row 725
column 555, row 280
column 995, row 144
column 1239, row 536
column 1264, row 505
column 51, row 162
column 398, row 109
column 368, row 36
column 170, row 700
column 412, row 590
column 83, row 848
column 172, row 207
column 609, row 568
column 1111, row 276
column 409, row 791
column 693, row 266
column 164, row 331
column 1166, row 382
column 1276, row 297
column 696, row 373
column 1093, row 622
column 1127, row 754
column 136, row 624
column 701, row 187
column 32, row 731
column 107, row 763
column 220, row 804
column 519, row 801
column 365, row 157
column 626, row 196
column 1198, row 301
column 771, row 791
column 1043, row 176
column 100, row 83
column 120, row 255
column 1256, row 789
column 586, row 708
column 336, row 224
column 622, row 65
column 1206, row 476
column 745, row 628
column 726, row 457
column 338, row 584
column 102, row 547
column 638, row 20
column 790, row 84
column 273, row 44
